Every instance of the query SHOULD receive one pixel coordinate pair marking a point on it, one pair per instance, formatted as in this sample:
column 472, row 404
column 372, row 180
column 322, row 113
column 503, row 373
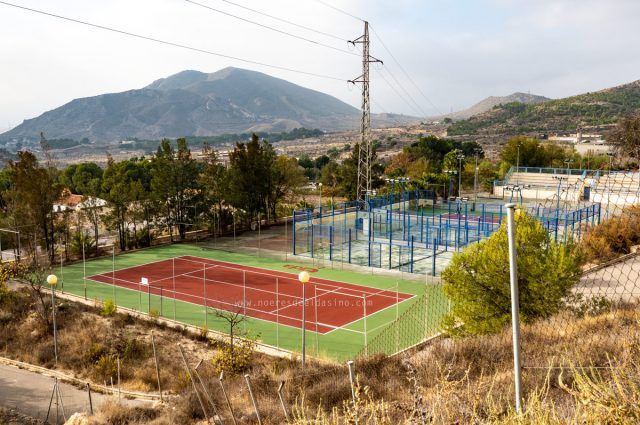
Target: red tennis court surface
column 260, row 293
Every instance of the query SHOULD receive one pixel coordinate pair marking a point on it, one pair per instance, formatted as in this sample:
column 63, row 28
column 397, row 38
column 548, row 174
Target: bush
column 108, row 308
column 106, row 368
column 613, row 237
column 477, row 279
column 236, row 360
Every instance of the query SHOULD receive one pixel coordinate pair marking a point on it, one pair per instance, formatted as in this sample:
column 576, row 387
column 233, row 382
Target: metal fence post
column 253, row 399
column 515, row 308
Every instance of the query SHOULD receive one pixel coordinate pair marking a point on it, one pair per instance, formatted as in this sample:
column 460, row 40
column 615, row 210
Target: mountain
column 193, row 103
column 600, row 108
column 493, row 101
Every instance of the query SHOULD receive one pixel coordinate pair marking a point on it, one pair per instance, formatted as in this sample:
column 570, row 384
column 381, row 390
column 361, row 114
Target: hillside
column 493, row 101
column 590, row 109
column 193, row 103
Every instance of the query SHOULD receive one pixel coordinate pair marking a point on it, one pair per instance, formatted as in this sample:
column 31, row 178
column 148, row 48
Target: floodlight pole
column 52, row 280
column 460, row 158
column 475, row 178
column 320, row 190
column 303, row 278
column 515, row 307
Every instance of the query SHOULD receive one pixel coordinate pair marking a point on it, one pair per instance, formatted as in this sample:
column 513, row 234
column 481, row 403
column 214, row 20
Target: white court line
column 208, row 265
column 214, row 308
column 238, row 305
column 292, row 276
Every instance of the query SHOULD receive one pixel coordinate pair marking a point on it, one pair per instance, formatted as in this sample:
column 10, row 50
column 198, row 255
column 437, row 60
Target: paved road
column 617, row 282
column 30, row 392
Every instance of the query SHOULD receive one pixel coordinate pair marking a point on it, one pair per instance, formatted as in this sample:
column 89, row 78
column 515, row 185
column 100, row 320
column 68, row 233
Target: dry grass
column 452, row 381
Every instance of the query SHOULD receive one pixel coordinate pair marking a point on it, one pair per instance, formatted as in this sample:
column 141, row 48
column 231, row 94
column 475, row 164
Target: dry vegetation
column 451, row 381
column 613, row 237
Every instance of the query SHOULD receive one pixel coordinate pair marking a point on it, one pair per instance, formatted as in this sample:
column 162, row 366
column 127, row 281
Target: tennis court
column 259, row 293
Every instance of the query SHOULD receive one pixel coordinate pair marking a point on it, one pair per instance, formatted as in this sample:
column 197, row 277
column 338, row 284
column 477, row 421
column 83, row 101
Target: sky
column 451, row 53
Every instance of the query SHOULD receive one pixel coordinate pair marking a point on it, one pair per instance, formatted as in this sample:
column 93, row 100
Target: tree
column 524, row 151
column 214, row 183
column 477, row 279
column 288, row 178
column 626, row 136
column 124, row 183
column 529, row 152
column 174, row 176
column 250, row 176
column 33, row 193
column 329, row 178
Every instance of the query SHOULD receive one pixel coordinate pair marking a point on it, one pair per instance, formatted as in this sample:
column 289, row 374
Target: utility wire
column 403, row 70
column 169, row 43
column 417, row 108
column 413, row 106
column 286, row 21
column 308, row 40
column 337, row 9
column 419, row 111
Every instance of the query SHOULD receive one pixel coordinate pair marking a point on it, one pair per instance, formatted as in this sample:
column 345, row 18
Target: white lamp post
column 52, row 280
column 304, row 277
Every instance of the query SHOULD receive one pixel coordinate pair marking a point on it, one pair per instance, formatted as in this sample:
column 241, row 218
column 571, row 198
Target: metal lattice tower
column 365, row 152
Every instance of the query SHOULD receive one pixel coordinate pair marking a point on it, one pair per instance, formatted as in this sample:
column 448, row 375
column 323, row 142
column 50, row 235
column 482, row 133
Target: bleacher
column 621, row 188
column 618, row 182
column 543, row 180
column 542, row 183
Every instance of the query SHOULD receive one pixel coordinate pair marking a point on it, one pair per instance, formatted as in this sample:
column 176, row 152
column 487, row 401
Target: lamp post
column 52, row 280
column 304, row 277
column 451, row 173
column 460, row 159
column 568, row 161
column 475, row 176
column 233, row 214
column 320, row 190
column 610, row 155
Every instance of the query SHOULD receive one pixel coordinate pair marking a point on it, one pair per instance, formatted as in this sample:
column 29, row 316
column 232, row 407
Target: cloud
column 456, row 52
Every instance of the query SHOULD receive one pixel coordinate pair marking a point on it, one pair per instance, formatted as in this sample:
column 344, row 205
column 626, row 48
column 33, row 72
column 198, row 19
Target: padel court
column 269, row 295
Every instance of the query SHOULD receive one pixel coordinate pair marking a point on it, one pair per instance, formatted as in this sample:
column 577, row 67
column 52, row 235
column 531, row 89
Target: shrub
column 94, row 353
column 477, row 279
column 105, row 368
column 108, row 308
column 236, row 358
column 613, row 237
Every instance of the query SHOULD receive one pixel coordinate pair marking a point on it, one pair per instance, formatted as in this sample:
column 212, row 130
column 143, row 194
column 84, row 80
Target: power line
column 337, row 9
column 169, row 43
column 398, row 93
column 286, row 21
column 308, row 40
column 404, row 71
column 415, row 107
